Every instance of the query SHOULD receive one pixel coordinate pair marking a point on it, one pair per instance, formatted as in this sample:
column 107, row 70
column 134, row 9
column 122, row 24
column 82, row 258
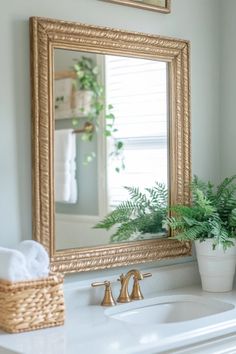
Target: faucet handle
column 136, row 292
column 147, row 275
column 108, row 299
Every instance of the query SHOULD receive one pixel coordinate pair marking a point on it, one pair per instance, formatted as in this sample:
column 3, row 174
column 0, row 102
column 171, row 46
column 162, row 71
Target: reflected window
column 137, row 89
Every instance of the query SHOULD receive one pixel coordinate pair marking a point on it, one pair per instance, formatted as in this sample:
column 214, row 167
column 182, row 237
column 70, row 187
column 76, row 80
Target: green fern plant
column 143, row 213
column 211, row 215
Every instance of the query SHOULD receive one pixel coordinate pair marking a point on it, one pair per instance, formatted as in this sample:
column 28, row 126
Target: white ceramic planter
column 216, row 267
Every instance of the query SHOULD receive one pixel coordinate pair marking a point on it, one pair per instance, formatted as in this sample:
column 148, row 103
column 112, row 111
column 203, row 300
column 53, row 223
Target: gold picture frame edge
column 133, row 3
column 47, row 33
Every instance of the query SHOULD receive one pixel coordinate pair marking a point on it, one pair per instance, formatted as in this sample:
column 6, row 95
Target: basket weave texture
column 30, row 305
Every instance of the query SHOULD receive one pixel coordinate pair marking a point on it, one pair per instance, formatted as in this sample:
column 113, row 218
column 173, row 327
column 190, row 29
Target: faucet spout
column 124, row 294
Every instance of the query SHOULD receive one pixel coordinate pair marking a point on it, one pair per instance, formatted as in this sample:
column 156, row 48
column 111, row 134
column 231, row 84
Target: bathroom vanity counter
column 90, row 329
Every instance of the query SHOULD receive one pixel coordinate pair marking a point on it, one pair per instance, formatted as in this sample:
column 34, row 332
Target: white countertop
column 89, row 330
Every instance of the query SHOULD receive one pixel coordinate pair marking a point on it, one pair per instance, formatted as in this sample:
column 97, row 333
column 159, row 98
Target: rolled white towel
column 13, row 265
column 37, row 259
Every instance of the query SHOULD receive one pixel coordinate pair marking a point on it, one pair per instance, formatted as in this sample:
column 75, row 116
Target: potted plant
column 86, row 87
column 210, row 221
column 139, row 217
column 88, row 101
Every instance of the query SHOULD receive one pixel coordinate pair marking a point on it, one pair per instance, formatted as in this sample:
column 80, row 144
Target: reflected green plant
column 87, row 73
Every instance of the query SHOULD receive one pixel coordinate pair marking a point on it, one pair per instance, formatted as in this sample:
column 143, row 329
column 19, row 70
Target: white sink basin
column 168, row 309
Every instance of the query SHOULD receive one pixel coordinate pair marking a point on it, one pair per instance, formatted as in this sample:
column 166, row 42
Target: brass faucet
column 108, row 299
column 124, row 279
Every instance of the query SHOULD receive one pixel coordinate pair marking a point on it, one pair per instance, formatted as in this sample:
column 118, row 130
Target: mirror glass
column 111, row 131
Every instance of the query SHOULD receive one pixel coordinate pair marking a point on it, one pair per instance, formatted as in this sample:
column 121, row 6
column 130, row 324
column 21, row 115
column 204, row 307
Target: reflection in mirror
column 111, row 131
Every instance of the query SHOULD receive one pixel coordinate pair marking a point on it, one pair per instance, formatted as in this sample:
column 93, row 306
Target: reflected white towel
column 13, row 265
column 62, row 166
column 63, row 145
column 37, row 259
column 65, row 166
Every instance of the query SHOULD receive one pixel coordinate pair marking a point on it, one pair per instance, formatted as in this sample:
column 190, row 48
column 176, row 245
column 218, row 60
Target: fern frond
column 123, row 213
column 223, row 186
column 138, row 198
column 124, row 232
column 192, row 233
column 220, row 234
column 232, row 218
column 186, row 211
column 158, row 196
column 142, row 213
column 205, row 187
column 174, row 223
column 152, row 223
column 203, row 202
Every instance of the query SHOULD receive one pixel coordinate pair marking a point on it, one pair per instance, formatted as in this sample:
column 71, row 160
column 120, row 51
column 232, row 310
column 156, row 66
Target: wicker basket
column 30, row 305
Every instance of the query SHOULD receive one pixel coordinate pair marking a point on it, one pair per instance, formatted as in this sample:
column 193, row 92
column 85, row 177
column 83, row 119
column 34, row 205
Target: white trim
column 102, row 152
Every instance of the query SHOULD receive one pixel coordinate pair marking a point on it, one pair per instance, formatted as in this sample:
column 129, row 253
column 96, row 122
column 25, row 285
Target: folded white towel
column 13, row 265
column 37, row 259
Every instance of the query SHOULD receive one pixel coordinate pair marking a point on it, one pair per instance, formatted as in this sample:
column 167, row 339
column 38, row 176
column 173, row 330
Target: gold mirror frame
column 47, row 34
column 164, row 9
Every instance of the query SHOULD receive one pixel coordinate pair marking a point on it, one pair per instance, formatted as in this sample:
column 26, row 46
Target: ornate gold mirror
column 110, row 109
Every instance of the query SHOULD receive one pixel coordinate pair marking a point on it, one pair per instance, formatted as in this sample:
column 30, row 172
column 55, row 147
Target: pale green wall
column 228, row 87
column 196, row 20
